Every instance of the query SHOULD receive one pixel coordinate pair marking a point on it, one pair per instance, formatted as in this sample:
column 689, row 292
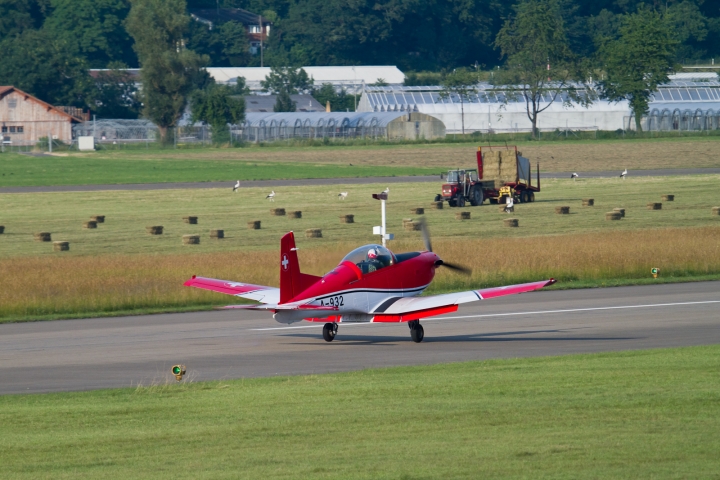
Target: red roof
column 6, row 90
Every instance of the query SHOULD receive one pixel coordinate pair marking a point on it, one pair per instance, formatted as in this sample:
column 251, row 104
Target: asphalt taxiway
column 99, row 353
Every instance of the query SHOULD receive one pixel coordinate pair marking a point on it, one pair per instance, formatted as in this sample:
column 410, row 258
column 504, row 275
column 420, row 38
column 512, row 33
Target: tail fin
column 292, row 282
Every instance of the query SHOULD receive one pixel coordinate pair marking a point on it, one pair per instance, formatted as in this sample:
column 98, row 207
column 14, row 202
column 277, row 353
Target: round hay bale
column 190, row 220
column 668, row 198
column 347, row 218
column 42, row 237
column 313, row 233
column 654, row 206
column 417, row 211
column 217, row 233
column 254, row 225
column 98, row 218
column 613, row 216
column 621, row 211
column 564, row 210
column 296, row 214
column 462, row 216
column 191, row 239
column 90, row 224
column 716, row 210
column 511, row 222
column 278, row 212
column 154, row 230
column 61, row 246
column 412, row 226
column 2, row 229
column 437, row 205
column 588, row 202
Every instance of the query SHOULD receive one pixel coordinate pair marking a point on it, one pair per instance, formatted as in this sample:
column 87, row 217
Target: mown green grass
column 129, row 212
column 88, row 169
column 641, row 414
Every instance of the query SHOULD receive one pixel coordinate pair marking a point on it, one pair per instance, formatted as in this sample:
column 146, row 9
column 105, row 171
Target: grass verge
column 277, row 162
column 648, row 414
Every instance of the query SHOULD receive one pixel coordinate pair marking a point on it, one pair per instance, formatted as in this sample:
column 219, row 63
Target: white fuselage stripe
column 538, row 312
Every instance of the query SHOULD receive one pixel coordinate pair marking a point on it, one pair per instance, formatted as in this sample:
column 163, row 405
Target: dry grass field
column 119, row 267
column 43, row 286
column 697, row 152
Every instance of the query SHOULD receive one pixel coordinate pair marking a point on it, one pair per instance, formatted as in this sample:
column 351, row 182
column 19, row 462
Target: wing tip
column 552, row 281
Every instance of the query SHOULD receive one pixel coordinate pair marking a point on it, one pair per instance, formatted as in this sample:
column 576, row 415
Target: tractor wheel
column 532, row 196
column 460, row 201
column 452, row 203
column 438, row 198
column 476, row 197
column 524, row 197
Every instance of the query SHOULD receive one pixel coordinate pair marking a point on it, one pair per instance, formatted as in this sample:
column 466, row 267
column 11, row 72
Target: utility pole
column 50, row 142
column 261, row 40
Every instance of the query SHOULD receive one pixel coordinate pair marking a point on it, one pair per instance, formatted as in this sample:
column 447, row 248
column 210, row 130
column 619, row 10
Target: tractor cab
column 370, row 258
column 459, row 187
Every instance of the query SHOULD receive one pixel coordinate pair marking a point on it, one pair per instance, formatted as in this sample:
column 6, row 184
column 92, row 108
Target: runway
column 89, row 354
column 333, row 181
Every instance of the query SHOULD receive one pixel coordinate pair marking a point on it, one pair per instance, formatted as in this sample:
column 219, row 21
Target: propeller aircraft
column 371, row 284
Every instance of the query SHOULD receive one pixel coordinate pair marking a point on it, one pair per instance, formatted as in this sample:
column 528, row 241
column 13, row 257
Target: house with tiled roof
column 24, row 119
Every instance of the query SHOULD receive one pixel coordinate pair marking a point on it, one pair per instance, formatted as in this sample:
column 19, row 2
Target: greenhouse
column 678, row 105
column 265, row 127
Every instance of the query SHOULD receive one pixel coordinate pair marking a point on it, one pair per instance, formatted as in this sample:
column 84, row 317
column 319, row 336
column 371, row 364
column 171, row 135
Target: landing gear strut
column 416, row 331
column 329, row 331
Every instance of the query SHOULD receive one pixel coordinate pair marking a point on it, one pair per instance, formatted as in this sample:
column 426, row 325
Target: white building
column 688, row 102
column 351, row 78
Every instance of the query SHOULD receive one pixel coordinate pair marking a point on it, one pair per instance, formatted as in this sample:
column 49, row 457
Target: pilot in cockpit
column 373, row 263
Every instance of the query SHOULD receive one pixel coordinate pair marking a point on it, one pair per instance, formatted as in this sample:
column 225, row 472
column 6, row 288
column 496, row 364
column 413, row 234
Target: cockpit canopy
column 370, row 258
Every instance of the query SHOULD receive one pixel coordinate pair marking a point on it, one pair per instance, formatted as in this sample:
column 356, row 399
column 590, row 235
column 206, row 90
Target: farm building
column 268, row 127
column 685, row 103
column 266, row 103
column 25, row 119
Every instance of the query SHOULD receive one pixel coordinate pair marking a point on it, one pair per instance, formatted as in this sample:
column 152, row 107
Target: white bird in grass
column 574, row 176
column 342, row 195
column 623, row 174
column 271, row 196
column 509, row 205
column 237, row 185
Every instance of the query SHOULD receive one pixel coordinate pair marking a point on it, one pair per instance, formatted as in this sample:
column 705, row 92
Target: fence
column 676, row 120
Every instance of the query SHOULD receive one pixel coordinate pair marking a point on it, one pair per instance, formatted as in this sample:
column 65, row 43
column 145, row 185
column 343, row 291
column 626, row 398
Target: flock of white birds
column 271, row 196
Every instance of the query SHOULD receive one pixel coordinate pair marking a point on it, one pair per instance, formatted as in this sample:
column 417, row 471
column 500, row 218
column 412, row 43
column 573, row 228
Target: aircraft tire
column 329, row 332
column 417, row 333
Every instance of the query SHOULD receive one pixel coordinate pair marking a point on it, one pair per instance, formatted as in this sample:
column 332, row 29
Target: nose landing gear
column 329, row 331
column 416, row 331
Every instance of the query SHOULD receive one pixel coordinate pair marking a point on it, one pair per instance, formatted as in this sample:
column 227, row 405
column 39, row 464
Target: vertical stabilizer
column 292, row 282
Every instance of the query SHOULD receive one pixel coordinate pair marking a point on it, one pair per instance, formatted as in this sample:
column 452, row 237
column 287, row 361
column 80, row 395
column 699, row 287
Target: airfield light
column 655, row 271
column 178, row 371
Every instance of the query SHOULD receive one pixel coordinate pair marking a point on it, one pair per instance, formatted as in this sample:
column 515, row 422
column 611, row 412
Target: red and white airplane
column 371, row 284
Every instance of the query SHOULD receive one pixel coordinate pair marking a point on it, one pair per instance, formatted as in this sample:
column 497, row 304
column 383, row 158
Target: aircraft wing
column 405, row 309
column 259, row 293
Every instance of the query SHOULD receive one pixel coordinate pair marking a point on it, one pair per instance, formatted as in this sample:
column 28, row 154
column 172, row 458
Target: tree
column 292, row 80
column 217, row 107
column 170, row 72
column 460, row 84
column 539, row 63
column 116, row 96
column 339, row 101
column 639, row 60
column 93, row 29
column 284, row 81
column 44, row 66
column 16, row 16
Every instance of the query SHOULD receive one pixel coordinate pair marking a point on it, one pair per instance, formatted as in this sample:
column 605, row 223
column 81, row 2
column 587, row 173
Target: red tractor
column 501, row 172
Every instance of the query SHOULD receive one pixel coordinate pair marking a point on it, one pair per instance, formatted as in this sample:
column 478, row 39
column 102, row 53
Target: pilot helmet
column 372, row 254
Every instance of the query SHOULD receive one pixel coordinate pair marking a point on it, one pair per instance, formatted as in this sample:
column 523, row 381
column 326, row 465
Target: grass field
column 263, row 163
column 118, row 267
column 646, row 414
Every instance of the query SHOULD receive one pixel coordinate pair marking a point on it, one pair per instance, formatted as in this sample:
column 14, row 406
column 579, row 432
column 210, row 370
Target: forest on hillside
column 46, row 45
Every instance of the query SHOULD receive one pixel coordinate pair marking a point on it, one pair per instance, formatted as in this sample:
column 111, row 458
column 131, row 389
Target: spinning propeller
column 440, row 263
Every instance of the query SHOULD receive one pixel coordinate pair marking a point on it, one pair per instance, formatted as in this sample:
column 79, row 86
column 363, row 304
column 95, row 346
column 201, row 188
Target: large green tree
column 170, row 72
column 284, row 81
column 45, row 66
column 116, row 95
column 540, row 64
column 459, row 85
column 217, row 106
column 92, row 29
column 639, row 60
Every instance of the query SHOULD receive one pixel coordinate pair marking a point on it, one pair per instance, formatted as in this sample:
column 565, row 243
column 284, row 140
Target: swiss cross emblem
column 285, row 262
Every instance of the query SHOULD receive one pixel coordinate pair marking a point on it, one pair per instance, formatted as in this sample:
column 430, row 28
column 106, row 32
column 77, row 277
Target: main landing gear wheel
column 416, row 331
column 329, row 331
